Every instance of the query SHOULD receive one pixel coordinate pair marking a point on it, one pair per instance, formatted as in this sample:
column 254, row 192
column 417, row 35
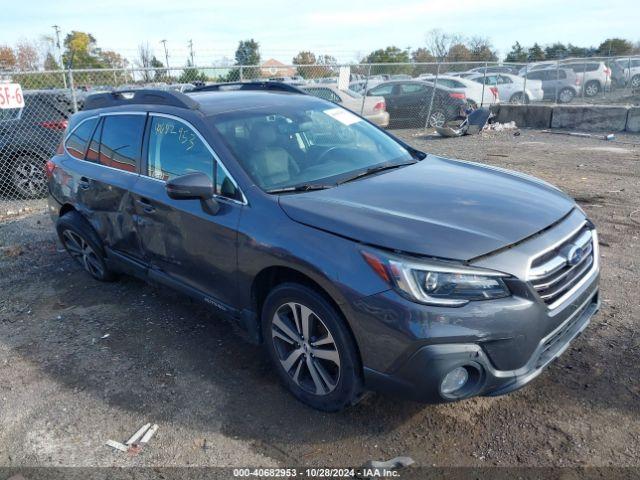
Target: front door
column 182, row 239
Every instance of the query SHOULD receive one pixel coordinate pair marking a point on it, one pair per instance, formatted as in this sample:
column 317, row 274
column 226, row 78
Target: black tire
column 519, row 98
column 83, row 244
column 566, row 95
column 28, row 177
column 438, row 118
column 592, row 88
column 344, row 388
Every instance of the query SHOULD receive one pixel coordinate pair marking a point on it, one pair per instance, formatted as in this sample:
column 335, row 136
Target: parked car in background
column 512, row 70
column 400, row 76
column 594, row 75
column 475, row 93
column 530, row 67
column 511, row 88
column 631, row 71
column 374, row 108
column 181, row 87
column 28, row 138
column 409, row 102
column 561, row 85
column 359, row 86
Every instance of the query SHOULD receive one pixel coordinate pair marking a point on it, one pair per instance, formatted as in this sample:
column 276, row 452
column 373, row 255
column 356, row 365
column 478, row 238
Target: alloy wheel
column 80, row 249
column 305, row 348
column 437, row 119
column 635, row 81
column 28, row 178
column 565, row 96
column 591, row 90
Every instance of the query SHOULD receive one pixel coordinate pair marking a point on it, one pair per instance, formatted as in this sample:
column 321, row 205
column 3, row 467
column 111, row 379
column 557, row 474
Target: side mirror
column 191, row 186
column 194, row 186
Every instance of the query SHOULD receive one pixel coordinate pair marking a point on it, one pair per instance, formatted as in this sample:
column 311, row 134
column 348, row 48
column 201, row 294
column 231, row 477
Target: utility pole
column 190, row 44
column 166, row 53
column 56, row 29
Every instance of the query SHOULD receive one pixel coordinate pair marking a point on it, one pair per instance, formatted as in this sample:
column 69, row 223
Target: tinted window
column 93, row 153
column 536, row 76
column 121, row 141
column 77, row 142
column 175, row 149
column 325, row 94
column 381, row 90
column 502, row 79
column 224, row 184
column 411, row 88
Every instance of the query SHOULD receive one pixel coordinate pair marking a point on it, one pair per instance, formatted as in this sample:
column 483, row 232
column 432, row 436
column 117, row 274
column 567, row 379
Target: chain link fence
column 392, row 95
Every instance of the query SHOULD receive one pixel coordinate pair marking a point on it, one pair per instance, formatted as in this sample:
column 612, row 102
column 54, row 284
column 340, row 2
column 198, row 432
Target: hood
column 437, row 207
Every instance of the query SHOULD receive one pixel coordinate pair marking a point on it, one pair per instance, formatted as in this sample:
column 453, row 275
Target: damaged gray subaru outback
column 358, row 261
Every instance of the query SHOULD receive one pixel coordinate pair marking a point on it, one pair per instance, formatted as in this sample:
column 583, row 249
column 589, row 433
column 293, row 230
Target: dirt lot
column 66, row 387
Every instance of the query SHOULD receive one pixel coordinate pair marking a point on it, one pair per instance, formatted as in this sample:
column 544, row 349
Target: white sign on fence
column 11, row 95
column 344, row 77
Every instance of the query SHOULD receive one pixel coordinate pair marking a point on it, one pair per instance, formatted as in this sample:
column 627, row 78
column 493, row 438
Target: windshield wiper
column 376, row 169
column 304, row 187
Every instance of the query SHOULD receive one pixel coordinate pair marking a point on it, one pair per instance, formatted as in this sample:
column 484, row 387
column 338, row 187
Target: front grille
column 553, row 273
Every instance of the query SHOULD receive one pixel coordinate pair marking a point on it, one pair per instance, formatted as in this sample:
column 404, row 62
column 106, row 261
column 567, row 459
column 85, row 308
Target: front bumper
column 420, row 376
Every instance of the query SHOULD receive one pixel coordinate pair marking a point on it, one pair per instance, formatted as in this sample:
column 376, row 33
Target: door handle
column 146, row 205
column 85, row 183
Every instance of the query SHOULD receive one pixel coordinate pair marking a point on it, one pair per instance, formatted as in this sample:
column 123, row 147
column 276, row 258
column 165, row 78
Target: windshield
column 286, row 145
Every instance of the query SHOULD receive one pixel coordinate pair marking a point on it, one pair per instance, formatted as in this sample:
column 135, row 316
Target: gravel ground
column 82, row 362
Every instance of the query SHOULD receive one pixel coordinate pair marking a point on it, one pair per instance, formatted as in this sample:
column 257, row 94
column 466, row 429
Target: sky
column 346, row 30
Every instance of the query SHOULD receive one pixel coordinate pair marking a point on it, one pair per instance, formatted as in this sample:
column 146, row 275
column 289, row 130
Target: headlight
column 438, row 283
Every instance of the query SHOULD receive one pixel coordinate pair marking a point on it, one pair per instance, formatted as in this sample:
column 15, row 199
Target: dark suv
column 359, row 262
column 28, row 138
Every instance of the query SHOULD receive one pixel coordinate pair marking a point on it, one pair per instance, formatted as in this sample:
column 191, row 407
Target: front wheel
column 311, row 348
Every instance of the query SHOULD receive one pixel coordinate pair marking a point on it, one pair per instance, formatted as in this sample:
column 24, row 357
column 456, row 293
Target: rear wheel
column 437, row 118
column 311, row 348
column 566, row 95
column 519, row 98
column 27, row 177
column 592, row 88
column 635, row 81
column 84, row 246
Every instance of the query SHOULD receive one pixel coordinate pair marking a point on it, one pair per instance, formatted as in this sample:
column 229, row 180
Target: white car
column 473, row 91
column 511, row 88
column 375, row 108
column 631, row 69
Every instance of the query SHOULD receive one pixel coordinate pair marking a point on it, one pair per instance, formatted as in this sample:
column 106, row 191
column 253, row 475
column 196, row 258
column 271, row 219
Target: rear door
column 184, row 243
column 410, row 101
column 105, row 179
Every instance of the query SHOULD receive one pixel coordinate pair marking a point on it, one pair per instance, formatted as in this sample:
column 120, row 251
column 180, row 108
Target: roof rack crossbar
column 270, row 86
column 139, row 97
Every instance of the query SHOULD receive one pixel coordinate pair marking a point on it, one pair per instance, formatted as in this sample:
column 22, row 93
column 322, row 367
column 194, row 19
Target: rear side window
column 381, row 90
column 76, row 143
column 175, row 149
column 121, row 141
column 411, row 88
column 325, row 94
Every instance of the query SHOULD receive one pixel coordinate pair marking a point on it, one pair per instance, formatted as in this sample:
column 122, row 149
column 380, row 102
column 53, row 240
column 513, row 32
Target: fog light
column 454, row 380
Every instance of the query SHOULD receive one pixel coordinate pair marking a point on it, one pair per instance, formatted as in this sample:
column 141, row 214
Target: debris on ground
column 138, row 440
column 475, row 122
column 501, row 127
column 607, row 138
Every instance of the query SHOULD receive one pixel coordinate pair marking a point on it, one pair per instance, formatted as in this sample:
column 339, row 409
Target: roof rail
column 269, row 86
column 139, row 97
